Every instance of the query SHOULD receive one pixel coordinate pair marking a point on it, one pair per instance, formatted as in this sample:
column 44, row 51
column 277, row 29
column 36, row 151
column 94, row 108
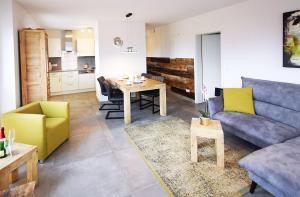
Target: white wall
column 157, row 42
column 21, row 20
column 7, row 58
column 12, row 18
column 112, row 61
column 251, row 40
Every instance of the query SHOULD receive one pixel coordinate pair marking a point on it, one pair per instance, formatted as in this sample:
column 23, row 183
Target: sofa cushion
column 277, row 113
column 278, row 165
column 238, row 100
column 261, row 131
column 57, row 132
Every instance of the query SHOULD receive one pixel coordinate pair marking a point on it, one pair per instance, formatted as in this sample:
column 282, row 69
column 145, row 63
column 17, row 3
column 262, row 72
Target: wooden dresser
column 34, row 65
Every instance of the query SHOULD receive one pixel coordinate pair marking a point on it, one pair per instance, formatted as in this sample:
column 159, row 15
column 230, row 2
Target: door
column 69, row 81
column 211, row 62
column 86, row 81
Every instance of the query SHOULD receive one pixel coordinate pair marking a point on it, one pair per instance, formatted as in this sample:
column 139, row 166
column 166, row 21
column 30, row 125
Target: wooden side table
column 212, row 131
column 22, row 153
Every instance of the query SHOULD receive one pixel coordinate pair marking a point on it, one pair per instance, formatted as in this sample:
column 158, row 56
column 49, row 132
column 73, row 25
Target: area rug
column 165, row 146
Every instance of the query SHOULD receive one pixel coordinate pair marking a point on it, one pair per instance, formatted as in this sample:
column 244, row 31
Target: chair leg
column 145, row 105
column 140, row 103
column 154, row 105
column 253, row 187
column 116, row 117
column 108, row 104
column 149, row 103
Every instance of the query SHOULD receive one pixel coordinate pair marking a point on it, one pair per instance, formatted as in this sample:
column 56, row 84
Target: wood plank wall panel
column 178, row 73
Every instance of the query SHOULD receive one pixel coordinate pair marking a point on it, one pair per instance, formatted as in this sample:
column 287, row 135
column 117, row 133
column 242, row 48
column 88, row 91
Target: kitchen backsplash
column 55, row 63
column 89, row 60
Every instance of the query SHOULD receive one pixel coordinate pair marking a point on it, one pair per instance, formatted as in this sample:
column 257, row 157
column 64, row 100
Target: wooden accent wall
column 178, row 73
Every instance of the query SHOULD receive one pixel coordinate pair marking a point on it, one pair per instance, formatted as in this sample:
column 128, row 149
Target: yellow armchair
column 45, row 124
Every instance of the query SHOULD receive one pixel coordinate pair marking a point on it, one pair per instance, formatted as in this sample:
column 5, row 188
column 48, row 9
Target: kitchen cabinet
column 55, row 82
column 54, row 47
column 86, row 81
column 69, row 61
column 85, row 47
column 66, row 82
column 69, row 80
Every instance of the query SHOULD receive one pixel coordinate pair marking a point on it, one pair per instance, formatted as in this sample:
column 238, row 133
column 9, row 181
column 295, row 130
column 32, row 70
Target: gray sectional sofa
column 275, row 129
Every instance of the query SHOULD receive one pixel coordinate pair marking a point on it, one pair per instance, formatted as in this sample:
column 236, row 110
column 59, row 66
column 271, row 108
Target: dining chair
column 104, row 92
column 150, row 96
column 115, row 96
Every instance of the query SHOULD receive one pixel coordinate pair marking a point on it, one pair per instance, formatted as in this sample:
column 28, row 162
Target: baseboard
column 72, row 92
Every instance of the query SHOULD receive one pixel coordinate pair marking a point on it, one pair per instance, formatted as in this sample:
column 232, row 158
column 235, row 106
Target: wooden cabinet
column 34, row 61
column 85, row 47
column 54, row 46
column 69, row 80
column 86, row 81
column 55, row 82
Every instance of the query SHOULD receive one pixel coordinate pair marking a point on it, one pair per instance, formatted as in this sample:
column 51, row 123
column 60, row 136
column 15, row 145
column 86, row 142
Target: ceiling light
column 129, row 48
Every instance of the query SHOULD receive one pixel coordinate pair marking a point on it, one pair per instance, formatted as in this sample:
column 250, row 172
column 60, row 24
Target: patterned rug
column 165, row 145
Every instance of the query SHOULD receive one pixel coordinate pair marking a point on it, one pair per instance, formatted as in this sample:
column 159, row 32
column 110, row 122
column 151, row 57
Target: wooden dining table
column 147, row 84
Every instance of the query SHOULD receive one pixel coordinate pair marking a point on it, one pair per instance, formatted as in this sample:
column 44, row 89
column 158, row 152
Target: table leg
column 163, row 101
column 14, row 175
column 127, row 107
column 194, row 149
column 32, row 168
column 220, row 152
column 4, row 179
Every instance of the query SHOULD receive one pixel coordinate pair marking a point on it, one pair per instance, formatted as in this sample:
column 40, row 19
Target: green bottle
column 3, row 143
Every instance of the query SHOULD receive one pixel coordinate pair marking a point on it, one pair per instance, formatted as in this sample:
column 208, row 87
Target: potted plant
column 204, row 115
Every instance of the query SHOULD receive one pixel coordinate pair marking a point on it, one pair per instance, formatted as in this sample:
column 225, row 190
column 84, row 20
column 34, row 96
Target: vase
column 205, row 121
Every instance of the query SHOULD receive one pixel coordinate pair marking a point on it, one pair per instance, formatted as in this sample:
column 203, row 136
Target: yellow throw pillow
column 238, row 100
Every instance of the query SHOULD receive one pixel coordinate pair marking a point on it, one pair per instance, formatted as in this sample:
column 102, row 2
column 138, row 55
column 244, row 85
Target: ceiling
column 64, row 14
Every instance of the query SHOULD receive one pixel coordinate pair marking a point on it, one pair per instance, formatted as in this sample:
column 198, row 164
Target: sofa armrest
column 54, row 109
column 29, row 129
column 215, row 105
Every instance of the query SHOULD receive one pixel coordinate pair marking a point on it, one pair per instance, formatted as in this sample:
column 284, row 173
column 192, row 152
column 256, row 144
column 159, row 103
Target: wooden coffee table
column 22, row 153
column 212, row 131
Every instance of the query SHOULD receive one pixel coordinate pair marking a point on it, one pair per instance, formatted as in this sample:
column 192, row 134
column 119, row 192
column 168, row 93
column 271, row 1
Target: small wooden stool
column 211, row 131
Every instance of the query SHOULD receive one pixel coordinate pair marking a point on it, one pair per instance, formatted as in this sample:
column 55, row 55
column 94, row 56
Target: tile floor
column 98, row 160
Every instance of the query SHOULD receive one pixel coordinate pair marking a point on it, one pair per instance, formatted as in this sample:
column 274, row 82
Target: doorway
column 208, row 64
